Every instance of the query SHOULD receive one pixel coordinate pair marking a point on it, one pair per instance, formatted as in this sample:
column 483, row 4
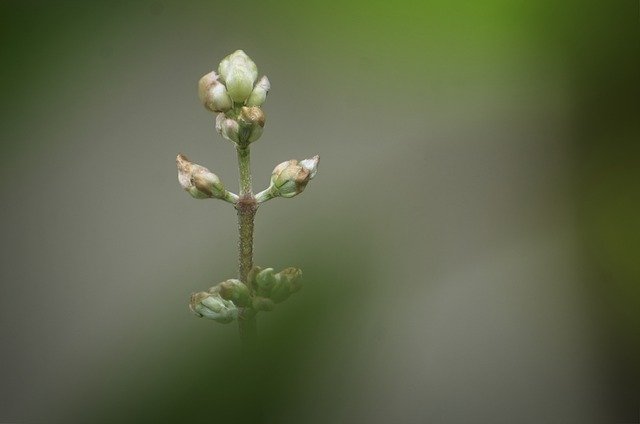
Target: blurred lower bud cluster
column 265, row 289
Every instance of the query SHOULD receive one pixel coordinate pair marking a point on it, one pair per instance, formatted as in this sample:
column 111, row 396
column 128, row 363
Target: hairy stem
column 244, row 165
column 246, row 207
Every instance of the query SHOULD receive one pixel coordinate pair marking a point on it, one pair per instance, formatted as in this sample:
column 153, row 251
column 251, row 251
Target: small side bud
column 239, row 73
column 259, row 94
column 263, row 304
column 228, row 128
column 280, row 292
column 251, row 121
column 235, row 291
column 265, row 278
column 198, row 181
column 252, row 115
column 212, row 306
column 251, row 277
column 213, row 94
column 290, row 276
column 206, row 82
column 287, row 283
column 291, row 177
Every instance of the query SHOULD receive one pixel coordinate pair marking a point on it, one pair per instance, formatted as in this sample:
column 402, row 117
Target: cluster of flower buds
column 290, row 178
column 211, row 305
column 235, row 95
column 243, row 128
column 199, row 182
column 271, row 287
column 222, row 301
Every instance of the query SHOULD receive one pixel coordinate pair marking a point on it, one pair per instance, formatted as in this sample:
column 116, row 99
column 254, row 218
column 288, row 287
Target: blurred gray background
column 469, row 246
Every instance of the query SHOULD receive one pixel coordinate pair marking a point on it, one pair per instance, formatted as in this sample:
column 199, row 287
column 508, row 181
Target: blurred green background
column 470, row 247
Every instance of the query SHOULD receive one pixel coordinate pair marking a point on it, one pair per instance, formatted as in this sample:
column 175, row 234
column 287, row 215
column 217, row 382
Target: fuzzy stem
column 246, row 207
column 244, row 165
column 265, row 195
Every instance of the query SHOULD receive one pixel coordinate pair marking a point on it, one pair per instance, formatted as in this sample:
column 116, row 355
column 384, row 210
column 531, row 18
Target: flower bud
column 239, row 85
column 263, row 304
column 205, row 83
column 265, row 278
column 213, row 94
column 287, row 283
column 280, row 292
column 239, row 73
column 216, row 99
column 251, row 121
column 235, row 291
column 251, row 276
column 259, row 93
column 227, row 127
column 237, row 59
column 291, row 177
column 291, row 277
column 198, row 181
column 212, row 306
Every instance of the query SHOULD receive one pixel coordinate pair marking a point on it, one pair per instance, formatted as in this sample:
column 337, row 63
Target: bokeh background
column 471, row 245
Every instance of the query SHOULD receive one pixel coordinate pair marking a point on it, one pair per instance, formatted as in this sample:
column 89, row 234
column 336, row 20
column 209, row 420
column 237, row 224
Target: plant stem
column 246, row 207
column 244, row 165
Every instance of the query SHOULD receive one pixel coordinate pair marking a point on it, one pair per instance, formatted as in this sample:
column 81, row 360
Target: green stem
column 230, row 197
column 246, row 207
column 244, row 165
column 265, row 195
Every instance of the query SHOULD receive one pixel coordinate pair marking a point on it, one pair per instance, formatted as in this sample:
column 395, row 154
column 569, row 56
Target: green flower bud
column 198, row 181
column 251, row 121
column 265, row 280
column 239, row 85
column 251, row 277
column 227, row 127
column 235, row 291
column 291, row 277
column 212, row 306
column 237, row 59
column 239, row 73
column 280, row 292
column 259, row 93
column 287, row 283
column 263, row 304
column 291, row 177
column 213, row 94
